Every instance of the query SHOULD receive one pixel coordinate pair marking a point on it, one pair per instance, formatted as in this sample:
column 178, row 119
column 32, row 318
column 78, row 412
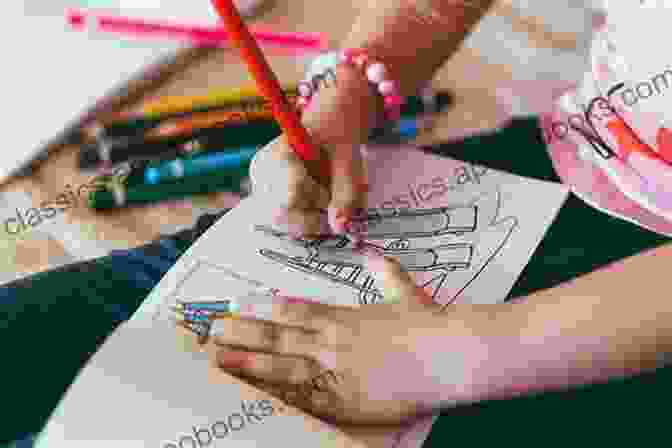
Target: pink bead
column 361, row 60
column 387, row 88
column 303, row 102
column 345, row 58
column 348, row 55
column 376, row 73
column 393, row 101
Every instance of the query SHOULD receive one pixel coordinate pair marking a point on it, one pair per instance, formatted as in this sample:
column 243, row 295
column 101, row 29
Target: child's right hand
column 413, row 38
column 338, row 120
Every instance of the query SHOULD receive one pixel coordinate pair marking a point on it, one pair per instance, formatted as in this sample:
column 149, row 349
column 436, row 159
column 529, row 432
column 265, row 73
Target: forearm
column 613, row 322
column 413, row 38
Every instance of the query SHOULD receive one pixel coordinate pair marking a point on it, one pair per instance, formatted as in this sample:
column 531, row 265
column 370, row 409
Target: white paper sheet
column 500, row 217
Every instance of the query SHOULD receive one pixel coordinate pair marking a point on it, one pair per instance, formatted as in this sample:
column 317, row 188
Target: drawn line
column 195, row 268
column 493, row 223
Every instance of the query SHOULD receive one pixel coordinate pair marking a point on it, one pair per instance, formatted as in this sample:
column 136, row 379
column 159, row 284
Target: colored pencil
column 296, row 135
column 181, row 107
column 194, row 316
column 232, row 135
column 197, row 34
column 224, row 306
column 199, row 165
column 206, row 120
column 124, row 125
column 149, row 194
column 138, row 125
column 226, row 138
column 214, row 98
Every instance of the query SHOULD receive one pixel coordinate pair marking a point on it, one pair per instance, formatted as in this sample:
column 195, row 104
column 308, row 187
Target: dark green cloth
column 580, row 240
column 51, row 323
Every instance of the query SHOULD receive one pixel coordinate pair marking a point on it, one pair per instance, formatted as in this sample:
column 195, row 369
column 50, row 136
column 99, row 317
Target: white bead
column 305, row 89
column 387, row 88
column 376, row 73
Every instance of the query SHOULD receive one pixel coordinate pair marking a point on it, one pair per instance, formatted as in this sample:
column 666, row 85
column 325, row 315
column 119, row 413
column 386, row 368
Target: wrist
column 465, row 349
column 413, row 38
column 344, row 111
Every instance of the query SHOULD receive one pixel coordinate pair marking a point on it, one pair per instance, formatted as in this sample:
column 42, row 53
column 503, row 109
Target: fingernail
column 294, row 234
column 327, row 359
column 281, row 220
column 338, row 220
column 375, row 260
column 297, row 301
column 371, row 251
column 357, row 227
column 233, row 360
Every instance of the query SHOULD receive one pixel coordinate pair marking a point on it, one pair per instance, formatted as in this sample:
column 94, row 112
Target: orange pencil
column 268, row 85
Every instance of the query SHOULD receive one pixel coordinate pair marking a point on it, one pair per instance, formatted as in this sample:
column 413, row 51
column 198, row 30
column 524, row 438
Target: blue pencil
column 220, row 306
column 404, row 129
column 199, row 165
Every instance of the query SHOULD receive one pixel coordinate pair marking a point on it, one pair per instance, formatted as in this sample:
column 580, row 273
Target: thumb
column 349, row 187
column 396, row 283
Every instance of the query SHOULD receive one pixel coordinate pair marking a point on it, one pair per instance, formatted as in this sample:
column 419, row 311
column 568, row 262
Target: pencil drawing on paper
column 201, row 279
column 443, row 246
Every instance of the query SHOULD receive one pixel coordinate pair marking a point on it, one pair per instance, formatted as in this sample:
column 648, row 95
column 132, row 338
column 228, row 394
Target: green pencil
column 142, row 194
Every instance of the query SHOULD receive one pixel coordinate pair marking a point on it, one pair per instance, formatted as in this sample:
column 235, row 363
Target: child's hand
column 413, row 38
column 296, row 198
column 338, row 120
column 380, row 363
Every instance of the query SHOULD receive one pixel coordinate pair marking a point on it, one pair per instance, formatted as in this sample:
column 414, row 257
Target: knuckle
column 298, row 373
column 392, row 267
column 312, row 341
column 333, row 335
column 272, row 337
column 295, row 313
column 301, row 313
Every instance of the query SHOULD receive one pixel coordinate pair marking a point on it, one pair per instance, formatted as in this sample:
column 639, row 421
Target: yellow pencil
column 216, row 97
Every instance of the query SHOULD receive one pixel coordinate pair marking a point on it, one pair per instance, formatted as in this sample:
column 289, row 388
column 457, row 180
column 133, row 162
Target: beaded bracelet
column 376, row 73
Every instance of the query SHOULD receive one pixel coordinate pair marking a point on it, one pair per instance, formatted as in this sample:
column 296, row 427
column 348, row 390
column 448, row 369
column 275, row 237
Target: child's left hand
column 381, row 363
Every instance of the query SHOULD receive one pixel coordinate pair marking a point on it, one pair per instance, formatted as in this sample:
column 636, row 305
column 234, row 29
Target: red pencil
column 268, row 85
